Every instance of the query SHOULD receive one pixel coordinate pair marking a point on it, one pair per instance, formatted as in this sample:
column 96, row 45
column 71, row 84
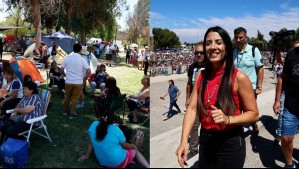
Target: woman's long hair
column 102, row 129
column 225, row 100
column 111, row 85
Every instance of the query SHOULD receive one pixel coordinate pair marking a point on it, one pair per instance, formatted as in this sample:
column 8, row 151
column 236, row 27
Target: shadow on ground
column 267, row 149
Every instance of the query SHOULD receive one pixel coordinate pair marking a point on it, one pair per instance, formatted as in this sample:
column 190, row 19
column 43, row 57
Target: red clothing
column 207, row 121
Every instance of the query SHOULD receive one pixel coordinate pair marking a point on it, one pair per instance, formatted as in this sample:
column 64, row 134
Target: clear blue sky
column 191, row 18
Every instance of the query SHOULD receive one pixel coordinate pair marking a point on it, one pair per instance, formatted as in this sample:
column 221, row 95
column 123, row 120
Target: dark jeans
column 222, row 149
column 12, row 129
column 193, row 139
column 44, row 60
column 132, row 105
column 10, row 104
column 128, row 59
column 60, row 83
column 145, row 67
column 173, row 103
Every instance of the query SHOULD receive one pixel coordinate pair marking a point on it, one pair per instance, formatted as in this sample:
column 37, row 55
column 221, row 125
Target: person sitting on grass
column 112, row 90
column 110, row 146
column 139, row 100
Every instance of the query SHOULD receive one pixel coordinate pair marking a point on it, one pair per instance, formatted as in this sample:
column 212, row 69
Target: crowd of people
column 21, row 96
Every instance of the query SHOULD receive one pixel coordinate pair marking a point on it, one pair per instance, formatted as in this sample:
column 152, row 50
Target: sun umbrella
column 24, row 67
column 1, row 35
column 28, row 51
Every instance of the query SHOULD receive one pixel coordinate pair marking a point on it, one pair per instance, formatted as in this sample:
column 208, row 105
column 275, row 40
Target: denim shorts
column 289, row 123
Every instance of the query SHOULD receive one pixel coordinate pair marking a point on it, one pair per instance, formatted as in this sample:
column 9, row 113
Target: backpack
column 253, row 50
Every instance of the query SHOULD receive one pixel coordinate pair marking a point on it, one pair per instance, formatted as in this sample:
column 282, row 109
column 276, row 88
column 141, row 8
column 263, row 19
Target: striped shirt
column 33, row 100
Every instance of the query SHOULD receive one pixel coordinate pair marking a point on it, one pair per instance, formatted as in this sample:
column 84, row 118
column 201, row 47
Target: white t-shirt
column 75, row 66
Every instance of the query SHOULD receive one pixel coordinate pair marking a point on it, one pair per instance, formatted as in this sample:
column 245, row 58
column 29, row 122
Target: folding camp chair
column 45, row 96
column 54, row 86
column 117, row 104
column 146, row 111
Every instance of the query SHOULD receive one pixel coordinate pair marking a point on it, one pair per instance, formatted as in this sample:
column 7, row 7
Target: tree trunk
column 69, row 10
column 83, row 37
column 35, row 4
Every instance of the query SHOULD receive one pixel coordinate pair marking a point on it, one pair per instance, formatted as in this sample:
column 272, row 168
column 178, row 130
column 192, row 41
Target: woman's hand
column 82, row 157
column 3, row 92
column 218, row 116
column 182, row 154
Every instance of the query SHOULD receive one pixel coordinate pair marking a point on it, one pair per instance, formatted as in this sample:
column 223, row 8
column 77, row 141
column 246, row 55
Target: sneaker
column 64, row 112
column 80, row 105
column 166, row 118
column 73, row 116
column 293, row 165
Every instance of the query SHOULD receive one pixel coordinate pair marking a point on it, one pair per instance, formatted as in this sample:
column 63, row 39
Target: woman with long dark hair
column 110, row 146
column 112, row 90
column 224, row 101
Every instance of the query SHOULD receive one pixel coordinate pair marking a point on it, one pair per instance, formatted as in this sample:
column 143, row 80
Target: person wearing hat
column 54, row 51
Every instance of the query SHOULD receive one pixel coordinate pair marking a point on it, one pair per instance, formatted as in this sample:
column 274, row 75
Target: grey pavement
column 165, row 135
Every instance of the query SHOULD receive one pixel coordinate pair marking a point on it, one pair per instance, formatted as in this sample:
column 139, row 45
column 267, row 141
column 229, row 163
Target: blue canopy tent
column 61, row 39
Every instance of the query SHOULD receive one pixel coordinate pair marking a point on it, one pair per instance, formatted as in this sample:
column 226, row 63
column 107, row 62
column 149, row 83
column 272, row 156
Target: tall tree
column 164, row 38
column 260, row 36
column 35, row 4
column 138, row 22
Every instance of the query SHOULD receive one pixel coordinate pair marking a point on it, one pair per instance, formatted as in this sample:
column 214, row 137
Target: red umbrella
column 9, row 37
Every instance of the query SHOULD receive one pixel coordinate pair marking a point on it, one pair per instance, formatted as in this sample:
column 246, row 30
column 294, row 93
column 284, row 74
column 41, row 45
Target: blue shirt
column 246, row 63
column 173, row 91
column 108, row 151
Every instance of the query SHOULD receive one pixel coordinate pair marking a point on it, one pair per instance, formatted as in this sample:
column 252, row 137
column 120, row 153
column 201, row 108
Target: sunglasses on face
column 198, row 52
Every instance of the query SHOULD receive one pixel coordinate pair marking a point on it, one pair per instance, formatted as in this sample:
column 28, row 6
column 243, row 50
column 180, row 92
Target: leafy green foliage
column 165, row 38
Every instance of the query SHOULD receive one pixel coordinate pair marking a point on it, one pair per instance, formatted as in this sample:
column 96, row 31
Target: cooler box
column 14, row 153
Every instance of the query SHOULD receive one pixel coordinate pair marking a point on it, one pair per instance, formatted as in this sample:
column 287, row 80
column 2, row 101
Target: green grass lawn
column 69, row 137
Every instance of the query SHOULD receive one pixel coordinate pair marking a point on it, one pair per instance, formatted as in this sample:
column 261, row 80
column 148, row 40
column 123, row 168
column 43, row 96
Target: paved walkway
column 165, row 135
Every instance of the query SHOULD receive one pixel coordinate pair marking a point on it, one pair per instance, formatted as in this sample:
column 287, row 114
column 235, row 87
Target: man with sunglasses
column 194, row 68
